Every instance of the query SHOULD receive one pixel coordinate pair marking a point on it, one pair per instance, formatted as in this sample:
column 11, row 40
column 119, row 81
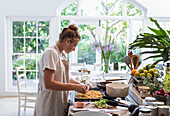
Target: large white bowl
column 117, row 89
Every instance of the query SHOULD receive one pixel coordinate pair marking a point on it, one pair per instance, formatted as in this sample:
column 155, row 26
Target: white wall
column 157, row 8
column 20, row 8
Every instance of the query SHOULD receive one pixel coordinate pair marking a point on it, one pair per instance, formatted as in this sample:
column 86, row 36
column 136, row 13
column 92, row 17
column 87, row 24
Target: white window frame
column 9, row 45
column 124, row 16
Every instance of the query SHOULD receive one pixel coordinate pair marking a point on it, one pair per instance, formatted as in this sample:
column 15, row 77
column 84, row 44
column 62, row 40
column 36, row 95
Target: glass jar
column 154, row 110
column 145, row 112
column 163, row 110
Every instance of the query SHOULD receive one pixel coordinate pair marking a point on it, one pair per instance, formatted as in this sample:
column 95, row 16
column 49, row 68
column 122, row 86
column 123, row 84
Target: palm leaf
column 156, row 56
column 151, row 52
column 159, row 40
column 161, row 30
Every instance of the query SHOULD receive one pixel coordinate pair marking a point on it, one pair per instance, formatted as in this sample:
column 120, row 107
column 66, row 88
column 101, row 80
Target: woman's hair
column 70, row 32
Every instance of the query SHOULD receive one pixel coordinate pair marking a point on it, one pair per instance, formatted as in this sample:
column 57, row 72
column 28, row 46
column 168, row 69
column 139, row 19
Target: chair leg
column 25, row 102
column 19, row 106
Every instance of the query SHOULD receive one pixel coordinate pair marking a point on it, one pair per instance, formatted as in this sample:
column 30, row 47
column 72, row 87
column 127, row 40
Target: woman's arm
column 74, row 81
column 52, row 84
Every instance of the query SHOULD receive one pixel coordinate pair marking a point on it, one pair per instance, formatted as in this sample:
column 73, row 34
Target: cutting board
column 121, row 111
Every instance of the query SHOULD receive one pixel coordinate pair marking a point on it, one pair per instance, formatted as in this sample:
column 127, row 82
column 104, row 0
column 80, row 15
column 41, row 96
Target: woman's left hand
column 86, row 88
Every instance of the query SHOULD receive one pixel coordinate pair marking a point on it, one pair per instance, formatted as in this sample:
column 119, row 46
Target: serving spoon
column 128, row 61
column 130, row 54
column 135, row 60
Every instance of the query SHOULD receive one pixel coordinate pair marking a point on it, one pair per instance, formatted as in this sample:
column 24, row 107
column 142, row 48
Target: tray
column 88, row 100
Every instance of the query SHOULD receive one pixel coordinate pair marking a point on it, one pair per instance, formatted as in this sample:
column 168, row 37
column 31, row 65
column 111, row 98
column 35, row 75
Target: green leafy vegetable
column 101, row 103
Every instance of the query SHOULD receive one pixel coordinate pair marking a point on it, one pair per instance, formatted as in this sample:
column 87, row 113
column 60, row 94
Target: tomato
column 157, row 92
column 162, row 91
column 166, row 94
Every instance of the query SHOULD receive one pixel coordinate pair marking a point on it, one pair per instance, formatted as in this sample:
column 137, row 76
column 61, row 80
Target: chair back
column 120, row 65
column 21, row 73
column 77, row 66
column 98, row 67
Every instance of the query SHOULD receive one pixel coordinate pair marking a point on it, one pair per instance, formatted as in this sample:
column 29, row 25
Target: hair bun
column 73, row 27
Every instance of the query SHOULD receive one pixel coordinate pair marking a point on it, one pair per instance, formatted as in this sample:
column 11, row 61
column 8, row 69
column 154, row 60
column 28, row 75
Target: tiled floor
column 9, row 107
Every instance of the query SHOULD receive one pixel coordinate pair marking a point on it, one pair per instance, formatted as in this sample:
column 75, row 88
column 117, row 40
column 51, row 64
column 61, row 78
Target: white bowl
column 117, row 89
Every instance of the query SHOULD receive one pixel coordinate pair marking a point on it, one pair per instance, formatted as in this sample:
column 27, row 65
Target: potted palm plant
column 159, row 40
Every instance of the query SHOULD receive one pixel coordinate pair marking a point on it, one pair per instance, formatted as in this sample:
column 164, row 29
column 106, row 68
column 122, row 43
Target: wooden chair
column 25, row 94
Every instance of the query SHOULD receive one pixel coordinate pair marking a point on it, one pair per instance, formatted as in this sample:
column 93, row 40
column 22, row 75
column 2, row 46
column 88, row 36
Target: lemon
column 145, row 71
column 137, row 74
column 140, row 70
column 151, row 71
column 142, row 75
column 149, row 75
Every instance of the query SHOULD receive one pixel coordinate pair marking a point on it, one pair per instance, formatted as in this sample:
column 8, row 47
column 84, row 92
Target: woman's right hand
column 81, row 88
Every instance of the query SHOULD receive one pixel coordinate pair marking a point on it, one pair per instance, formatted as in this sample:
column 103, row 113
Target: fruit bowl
column 160, row 97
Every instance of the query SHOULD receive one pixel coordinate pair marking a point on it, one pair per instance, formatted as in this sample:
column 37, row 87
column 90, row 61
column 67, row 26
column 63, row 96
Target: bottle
column 166, row 81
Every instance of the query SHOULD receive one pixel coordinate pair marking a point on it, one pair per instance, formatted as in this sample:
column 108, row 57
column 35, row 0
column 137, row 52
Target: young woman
column 54, row 82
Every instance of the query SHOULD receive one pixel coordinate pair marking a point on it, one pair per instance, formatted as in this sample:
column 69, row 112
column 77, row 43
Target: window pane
column 18, row 45
column 31, row 75
column 30, row 45
column 132, row 10
column 101, row 7
column 14, row 78
column 17, row 60
column 43, row 43
column 38, row 60
column 116, row 32
column 70, row 10
column 43, row 28
column 85, row 53
column 30, row 62
column 18, row 28
column 64, row 23
column 38, row 75
column 30, row 29
column 136, row 30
